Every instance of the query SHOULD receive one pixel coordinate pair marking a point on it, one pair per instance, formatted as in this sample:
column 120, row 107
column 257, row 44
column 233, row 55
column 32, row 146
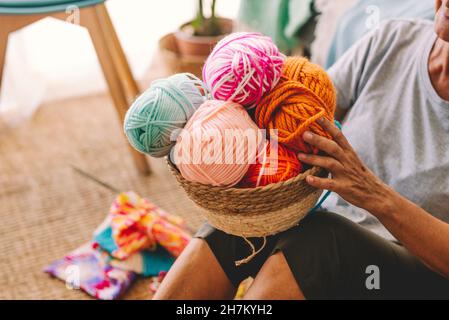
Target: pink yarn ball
column 243, row 67
column 217, row 145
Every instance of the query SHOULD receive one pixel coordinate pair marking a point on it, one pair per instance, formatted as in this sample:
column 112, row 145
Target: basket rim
column 302, row 176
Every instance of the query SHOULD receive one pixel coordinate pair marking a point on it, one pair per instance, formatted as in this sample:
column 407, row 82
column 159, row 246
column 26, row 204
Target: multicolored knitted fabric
column 87, row 268
column 137, row 224
column 137, row 237
column 147, row 263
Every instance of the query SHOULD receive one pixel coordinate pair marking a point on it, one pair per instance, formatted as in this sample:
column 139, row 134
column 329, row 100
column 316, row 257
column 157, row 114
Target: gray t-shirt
column 396, row 122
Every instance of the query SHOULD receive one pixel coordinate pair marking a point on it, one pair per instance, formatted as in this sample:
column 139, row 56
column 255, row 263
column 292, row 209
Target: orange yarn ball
column 304, row 95
column 271, row 167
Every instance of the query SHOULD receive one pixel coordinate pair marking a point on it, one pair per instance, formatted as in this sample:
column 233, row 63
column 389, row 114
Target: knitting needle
column 94, row 179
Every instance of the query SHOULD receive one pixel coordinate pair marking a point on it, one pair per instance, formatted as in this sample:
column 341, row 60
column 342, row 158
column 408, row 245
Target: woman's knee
column 275, row 281
column 196, row 274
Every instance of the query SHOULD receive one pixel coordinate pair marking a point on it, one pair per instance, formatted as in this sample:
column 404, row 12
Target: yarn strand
column 253, row 251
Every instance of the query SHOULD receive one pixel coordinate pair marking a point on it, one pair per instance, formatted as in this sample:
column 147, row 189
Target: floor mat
column 48, row 209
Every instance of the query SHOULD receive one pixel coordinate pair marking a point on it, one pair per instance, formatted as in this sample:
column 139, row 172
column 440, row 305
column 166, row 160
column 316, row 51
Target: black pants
column 334, row 258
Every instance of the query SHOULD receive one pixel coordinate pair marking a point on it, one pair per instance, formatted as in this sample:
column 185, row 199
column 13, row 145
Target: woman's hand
column 421, row 233
column 351, row 179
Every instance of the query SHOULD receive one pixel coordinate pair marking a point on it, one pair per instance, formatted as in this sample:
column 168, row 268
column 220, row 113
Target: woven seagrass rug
column 47, row 209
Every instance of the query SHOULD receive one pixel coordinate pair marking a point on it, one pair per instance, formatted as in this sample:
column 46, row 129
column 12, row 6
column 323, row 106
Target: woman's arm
column 422, row 234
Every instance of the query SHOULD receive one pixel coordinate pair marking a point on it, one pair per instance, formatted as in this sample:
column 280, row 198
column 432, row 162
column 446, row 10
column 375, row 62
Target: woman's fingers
column 335, row 133
column 321, row 183
column 330, row 164
column 328, row 146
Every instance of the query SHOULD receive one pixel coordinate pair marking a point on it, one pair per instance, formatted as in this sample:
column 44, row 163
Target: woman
column 393, row 94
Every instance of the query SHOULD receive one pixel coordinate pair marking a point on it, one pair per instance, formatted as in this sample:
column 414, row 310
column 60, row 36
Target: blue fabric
column 105, row 240
column 156, row 261
column 42, row 6
column 153, row 261
column 358, row 21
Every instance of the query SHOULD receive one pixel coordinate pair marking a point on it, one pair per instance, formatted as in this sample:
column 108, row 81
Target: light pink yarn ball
column 243, row 67
column 217, row 145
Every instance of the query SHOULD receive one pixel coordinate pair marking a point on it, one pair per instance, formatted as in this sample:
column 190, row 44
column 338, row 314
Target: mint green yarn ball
column 154, row 120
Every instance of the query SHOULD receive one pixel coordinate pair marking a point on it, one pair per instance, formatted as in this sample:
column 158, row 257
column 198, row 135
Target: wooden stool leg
column 118, row 75
column 120, row 62
column 3, row 46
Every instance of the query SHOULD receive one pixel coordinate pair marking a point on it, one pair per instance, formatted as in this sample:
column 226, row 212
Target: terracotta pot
column 200, row 46
column 174, row 61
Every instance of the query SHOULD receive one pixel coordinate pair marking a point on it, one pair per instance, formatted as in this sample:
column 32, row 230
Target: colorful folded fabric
column 137, row 224
column 146, row 263
column 87, row 268
column 137, row 237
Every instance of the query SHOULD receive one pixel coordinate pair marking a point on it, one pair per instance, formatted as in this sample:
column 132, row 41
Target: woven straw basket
column 257, row 212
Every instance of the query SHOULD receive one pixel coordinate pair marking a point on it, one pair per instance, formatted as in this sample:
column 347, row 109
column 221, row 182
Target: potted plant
column 186, row 49
column 199, row 36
